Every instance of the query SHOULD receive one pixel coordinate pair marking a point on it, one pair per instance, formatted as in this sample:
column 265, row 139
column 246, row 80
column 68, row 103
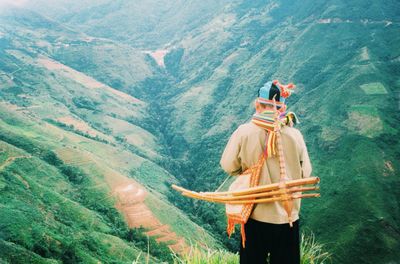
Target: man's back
column 243, row 151
column 268, row 231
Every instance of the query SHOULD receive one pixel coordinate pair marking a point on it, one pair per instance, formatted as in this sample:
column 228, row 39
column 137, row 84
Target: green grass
column 154, row 177
column 14, row 253
column 367, row 110
column 198, row 255
column 373, row 88
column 311, row 253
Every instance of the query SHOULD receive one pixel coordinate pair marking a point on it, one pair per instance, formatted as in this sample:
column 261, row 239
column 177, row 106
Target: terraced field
column 130, row 197
column 130, row 201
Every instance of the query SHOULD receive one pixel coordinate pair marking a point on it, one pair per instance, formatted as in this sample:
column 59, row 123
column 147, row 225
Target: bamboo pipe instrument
column 263, row 188
column 253, row 190
column 253, row 196
column 279, row 194
column 284, row 197
column 249, row 196
column 275, row 199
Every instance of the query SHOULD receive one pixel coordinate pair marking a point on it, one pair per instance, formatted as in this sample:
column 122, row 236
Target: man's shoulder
column 292, row 132
column 248, row 129
column 247, row 126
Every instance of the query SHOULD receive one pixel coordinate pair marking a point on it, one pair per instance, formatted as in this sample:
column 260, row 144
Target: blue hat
column 270, row 90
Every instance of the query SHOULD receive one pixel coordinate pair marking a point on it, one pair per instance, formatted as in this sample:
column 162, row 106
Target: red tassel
column 243, row 233
column 266, row 146
column 230, row 227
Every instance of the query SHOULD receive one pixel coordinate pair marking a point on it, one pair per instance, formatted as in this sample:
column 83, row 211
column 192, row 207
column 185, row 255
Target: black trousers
column 280, row 241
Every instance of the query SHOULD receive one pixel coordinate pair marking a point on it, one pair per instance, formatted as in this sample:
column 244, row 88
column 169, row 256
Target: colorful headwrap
column 275, row 90
column 274, row 93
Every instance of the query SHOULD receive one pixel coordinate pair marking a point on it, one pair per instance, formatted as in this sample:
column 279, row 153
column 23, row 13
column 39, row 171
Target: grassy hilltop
column 80, row 85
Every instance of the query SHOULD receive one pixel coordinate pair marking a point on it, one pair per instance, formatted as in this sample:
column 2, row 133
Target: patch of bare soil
column 158, row 56
column 131, row 198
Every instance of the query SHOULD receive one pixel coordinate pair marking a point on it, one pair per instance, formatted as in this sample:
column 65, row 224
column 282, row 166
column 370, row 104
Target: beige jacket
column 243, row 150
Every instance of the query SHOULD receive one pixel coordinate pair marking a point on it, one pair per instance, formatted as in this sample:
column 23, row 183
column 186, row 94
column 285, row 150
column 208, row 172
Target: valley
column 135, row 103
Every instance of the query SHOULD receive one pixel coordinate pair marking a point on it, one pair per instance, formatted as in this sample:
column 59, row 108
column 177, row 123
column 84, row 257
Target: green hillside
column 346, row 68
column 70, row 146
column 50, row 210
column 84, row 72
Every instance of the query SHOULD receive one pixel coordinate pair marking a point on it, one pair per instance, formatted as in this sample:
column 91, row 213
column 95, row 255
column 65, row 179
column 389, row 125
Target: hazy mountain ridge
column 149, row 24
column 347, row 52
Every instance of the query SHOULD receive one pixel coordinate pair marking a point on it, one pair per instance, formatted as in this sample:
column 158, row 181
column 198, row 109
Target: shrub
column 84, row 102
column 74, row 174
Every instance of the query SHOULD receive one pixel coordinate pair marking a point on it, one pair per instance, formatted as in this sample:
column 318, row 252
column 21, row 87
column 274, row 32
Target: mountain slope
column 49, row 209
column 343, row 56
column 345, row 67
column 79, row 143
column 218, row 73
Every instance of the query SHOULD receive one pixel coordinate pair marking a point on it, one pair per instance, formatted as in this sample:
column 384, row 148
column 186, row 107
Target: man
column 268, row 231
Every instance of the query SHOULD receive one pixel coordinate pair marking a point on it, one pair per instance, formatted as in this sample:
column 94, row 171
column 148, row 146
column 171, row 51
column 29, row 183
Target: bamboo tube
column 306, row 195
column 273, row 186
column 238, row 199
column 261, row 192
column 284, row 197
column 225, row 198
column 179, row 189
column 275, row 199
column 263, row 195
column 262, row 188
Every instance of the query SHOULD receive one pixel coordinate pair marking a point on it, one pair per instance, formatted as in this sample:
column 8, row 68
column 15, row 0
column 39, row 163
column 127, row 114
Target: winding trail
column 130, row 197
column 10, row 160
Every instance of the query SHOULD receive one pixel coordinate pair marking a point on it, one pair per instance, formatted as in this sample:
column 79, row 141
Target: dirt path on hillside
column 131, row 198
column 10, row 160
